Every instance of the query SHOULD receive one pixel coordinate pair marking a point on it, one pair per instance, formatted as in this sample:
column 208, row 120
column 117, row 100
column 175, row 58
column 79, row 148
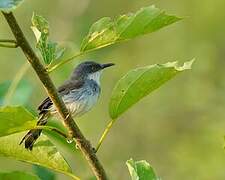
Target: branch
column 74, row 131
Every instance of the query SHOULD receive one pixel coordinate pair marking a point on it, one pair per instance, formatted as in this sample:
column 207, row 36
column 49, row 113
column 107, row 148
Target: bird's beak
column 107, row 65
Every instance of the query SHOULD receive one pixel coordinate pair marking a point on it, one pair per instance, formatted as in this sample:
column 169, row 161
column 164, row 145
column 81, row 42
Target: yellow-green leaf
column 18, row 175
column 15, row 119
column 107, row 31
column 44, row 153
column 139, row 82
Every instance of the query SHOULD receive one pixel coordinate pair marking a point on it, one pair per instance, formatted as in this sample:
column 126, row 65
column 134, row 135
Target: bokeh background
column 179, row 128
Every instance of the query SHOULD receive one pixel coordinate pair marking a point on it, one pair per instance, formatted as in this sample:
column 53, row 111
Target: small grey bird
column 79, row 93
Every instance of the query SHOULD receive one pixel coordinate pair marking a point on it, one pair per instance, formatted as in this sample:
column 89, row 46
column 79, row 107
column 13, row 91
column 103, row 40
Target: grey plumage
column 79, row 93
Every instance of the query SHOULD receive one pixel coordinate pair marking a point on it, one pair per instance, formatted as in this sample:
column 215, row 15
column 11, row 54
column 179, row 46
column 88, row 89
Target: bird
column 79, row 93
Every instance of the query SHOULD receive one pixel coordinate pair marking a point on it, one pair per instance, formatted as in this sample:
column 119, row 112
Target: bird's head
column 89, row 70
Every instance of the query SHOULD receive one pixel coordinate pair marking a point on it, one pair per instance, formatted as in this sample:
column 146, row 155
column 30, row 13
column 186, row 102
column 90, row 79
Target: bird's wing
column 44, row 106
column 62, row 90
column 68, row 86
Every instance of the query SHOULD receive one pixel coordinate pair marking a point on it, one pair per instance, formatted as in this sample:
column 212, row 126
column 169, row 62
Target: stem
column 49, row 128
column 68, row 60
column 106, row 131
column 80, row 54
column 8, row 43
column 64, row 62
column 19, row 75
column 74, row 131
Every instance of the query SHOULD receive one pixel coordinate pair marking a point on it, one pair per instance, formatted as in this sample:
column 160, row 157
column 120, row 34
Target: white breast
column 79, row 101
column 78, row 108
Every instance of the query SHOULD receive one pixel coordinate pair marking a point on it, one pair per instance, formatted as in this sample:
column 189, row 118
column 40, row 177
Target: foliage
column 131, row 88
column 17, row 175
column 15, row 119
column 44, row 153
column 50, row 51
column 139, row 82
column 141, row 170
column 43, row 173
column 106, row 31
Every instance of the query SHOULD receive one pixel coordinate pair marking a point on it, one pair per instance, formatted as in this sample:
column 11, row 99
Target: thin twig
column 8, row 43
column 81, row 53
column 64, row 62
column 83, row 144
column 49, row 128
column 19, row 75
column 106, row 131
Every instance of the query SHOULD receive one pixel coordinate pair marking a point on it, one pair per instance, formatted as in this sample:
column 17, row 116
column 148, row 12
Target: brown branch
column 84, row 145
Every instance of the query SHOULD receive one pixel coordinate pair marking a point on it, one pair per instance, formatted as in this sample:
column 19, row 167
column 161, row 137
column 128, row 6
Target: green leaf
column 139, row 82
column 49, row 50
column 9, row 5
column 58, row 140
column 141, row 170
column 107, row 31
column 17, row 175
column 43, row 173
column 15, row 119
column 44, row 153
column 18, row 119
column 40, row 27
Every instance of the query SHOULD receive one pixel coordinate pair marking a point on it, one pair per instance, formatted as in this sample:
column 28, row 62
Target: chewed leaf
column 140, row 82
column 107, row 31
column 141, row 170
column 37, row 33
column 49, row 50
column 9, row 5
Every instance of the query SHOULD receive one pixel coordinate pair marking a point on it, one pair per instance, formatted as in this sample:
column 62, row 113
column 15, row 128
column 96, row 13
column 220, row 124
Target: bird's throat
column 95, row 77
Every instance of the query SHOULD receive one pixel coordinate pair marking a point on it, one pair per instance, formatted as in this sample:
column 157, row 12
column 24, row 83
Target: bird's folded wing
column 62, row 90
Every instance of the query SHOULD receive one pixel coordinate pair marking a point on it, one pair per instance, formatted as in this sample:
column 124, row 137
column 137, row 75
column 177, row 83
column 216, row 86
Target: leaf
column 18, row 119
column 9, row 5
column 107, row 31
column 140, row 82
column 18, row 175
column 44, row 153
column 43, row 173
column 49, row 50
column 58, row 140
column 40, row 27
column 141, row 170
column 15, row 119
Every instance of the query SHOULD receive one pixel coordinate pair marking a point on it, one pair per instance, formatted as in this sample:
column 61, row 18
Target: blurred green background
column 179, row 129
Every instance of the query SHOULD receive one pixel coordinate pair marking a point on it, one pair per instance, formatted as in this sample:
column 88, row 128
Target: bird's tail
column 33, row 134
